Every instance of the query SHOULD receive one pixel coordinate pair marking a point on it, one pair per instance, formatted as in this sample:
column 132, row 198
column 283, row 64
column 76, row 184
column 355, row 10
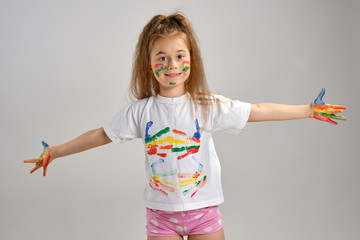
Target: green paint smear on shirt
column 183, row 148
column 198, row 182
column 154, row 137
column 165, row 174
column 187, row 191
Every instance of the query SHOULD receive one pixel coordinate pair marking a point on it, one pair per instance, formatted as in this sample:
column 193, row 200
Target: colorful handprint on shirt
column 165, row 142
column 324, row 112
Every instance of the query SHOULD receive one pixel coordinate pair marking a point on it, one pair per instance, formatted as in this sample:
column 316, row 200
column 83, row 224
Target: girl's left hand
column 324, row 112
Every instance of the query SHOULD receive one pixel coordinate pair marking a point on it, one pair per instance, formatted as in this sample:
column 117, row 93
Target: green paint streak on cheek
column 157, row 71
column 186, row 68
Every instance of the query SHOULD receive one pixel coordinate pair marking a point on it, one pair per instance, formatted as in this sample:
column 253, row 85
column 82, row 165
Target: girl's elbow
column 101, row 137
column 255, row 113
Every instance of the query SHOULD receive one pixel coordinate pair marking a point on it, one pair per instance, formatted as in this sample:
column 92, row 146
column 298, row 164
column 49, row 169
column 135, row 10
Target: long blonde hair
column 143, row 82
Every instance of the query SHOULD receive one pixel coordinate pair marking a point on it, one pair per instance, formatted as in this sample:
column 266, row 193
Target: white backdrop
column 65, row 69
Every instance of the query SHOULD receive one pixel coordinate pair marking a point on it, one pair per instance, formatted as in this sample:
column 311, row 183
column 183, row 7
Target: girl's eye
column 180, row 57
column 162, row 59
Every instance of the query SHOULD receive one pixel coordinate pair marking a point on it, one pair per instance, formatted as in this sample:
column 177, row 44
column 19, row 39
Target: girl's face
column 170, row 61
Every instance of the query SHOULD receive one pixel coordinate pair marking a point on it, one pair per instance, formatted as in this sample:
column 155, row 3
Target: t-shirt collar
column 182, row 98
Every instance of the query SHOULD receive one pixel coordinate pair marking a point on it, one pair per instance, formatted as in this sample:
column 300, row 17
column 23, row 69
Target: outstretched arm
column 278, row 112
column 91, row 139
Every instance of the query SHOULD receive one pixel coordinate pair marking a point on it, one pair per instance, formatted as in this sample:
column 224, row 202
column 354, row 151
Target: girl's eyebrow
column 161, row 52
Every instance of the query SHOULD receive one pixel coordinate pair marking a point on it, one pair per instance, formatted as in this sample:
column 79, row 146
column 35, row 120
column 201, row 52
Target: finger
column 326, row 115
column 37, row 166
column 44, row 144
column 318, row 100
column 329, row 106
column 328, row 111
column 331, row 121
column 336, row 111
column 34, row 160
column 324, row 118
column 46, row 163
column 338, row 107
column 337, row 117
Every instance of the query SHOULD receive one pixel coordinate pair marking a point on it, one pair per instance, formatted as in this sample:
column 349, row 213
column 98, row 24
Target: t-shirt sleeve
column 229, row 115
column 122, row 126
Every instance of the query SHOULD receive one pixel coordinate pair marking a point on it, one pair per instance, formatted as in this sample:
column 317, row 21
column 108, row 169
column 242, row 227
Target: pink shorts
column 200, row 221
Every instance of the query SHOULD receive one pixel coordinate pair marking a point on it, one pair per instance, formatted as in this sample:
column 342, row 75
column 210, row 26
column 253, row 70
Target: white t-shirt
column 182, row 168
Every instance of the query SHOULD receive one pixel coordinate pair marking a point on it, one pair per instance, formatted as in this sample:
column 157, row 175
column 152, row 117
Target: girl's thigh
column 219, row 235
column 165, row 238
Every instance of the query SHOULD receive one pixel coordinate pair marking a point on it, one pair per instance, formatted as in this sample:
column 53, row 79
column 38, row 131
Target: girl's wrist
column 53, row 151
column 311, row 109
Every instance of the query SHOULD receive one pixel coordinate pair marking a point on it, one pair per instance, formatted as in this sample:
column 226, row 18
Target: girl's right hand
column 44, row 160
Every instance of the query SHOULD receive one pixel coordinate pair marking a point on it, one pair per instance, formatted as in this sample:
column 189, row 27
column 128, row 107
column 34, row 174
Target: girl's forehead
column 169, row 44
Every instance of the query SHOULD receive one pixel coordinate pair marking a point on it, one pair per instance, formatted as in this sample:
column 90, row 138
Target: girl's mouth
column 173, row 75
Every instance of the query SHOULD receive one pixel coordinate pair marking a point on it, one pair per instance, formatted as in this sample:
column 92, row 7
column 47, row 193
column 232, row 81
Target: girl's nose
column 172, row 65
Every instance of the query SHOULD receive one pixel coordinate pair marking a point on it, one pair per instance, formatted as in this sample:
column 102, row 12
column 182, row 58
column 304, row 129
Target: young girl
column 175, row 115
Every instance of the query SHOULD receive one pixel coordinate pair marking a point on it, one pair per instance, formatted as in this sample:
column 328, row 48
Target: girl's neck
column 172, row 92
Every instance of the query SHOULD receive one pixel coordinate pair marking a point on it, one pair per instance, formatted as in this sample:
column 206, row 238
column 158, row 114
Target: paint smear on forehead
column 159, row 68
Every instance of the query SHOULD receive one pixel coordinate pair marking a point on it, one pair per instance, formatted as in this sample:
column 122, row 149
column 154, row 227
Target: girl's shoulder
column 140, row 103
column 142, row 100
column 210, row 98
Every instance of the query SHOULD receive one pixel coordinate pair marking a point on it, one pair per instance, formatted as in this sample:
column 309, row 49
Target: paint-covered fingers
column 326, row 112
column 324, row 118
column 327, row 109
column 42, row 161
column 38, row 161
column 37, row 166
